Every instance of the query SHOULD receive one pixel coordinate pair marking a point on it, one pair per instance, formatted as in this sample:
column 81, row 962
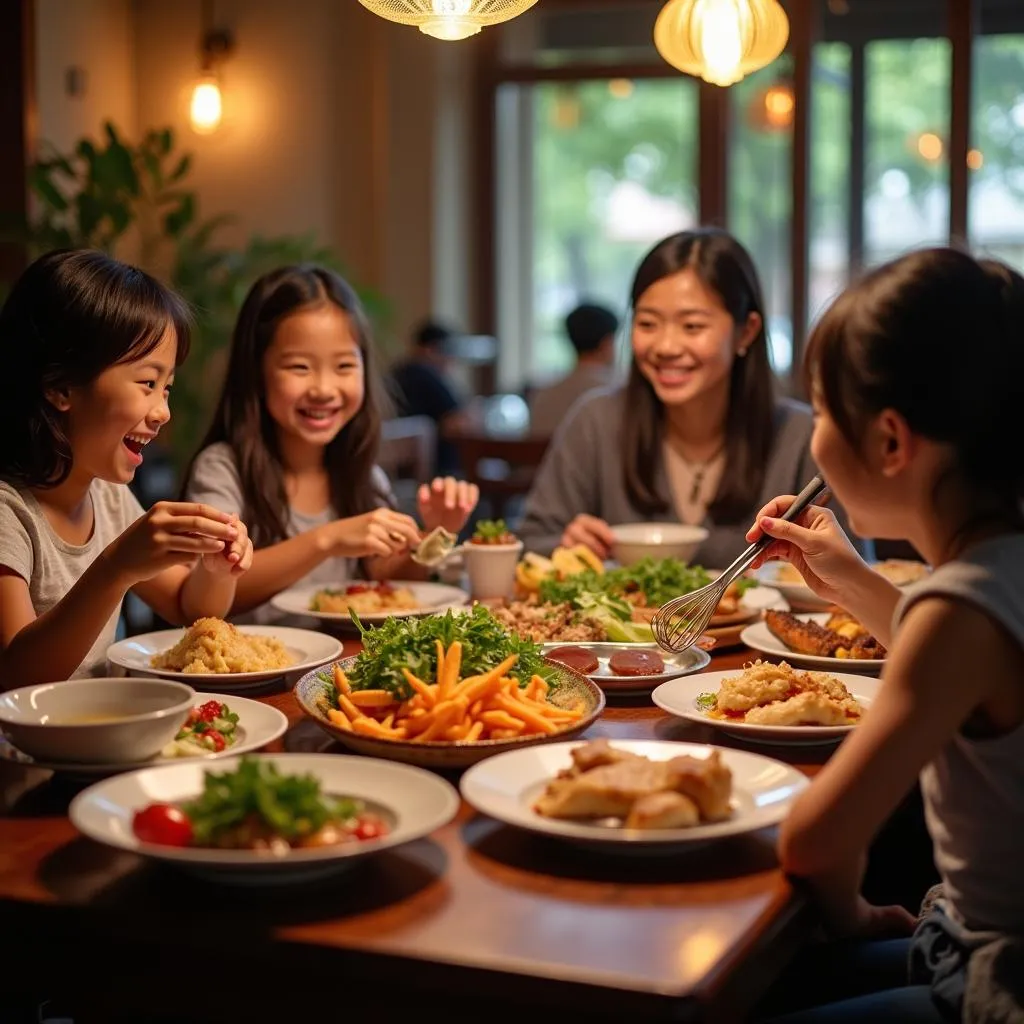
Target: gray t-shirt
column 974, row 788
column 51, row 566
column 583, row 473
column 215, row 481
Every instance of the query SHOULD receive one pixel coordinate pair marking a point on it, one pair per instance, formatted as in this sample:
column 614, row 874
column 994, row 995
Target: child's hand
column 171, row 533
column 236, row 557
column 382, row 533
column 447, row 503
column 815, row 544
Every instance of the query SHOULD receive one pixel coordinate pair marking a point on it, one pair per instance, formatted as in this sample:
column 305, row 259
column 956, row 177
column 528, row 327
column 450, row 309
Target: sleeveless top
column 974, row 789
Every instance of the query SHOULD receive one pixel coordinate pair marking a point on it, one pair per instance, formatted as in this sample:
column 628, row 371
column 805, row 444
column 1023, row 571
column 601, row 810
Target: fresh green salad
column 659, row 580
column 397, row 644
column 492, row 531
column 293, row 806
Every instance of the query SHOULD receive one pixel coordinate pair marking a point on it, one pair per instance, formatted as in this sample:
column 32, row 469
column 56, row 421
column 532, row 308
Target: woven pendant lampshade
column 448, row 19
column 721, row 40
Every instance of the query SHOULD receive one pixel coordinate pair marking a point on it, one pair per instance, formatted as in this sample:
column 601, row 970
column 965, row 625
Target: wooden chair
column 502, row 467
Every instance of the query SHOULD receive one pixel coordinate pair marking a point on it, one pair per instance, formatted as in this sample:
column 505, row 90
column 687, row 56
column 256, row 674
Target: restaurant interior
column 486, row 176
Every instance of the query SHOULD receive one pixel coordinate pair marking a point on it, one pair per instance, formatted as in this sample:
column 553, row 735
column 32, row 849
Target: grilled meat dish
column 842, row 637
column 607, row 782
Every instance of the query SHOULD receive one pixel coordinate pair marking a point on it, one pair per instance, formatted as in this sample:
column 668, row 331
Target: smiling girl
column 697, row 435
column 294, row 443
column 89, row 348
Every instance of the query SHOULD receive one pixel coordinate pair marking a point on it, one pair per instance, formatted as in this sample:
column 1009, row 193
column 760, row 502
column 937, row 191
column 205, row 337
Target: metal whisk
column 679, row 623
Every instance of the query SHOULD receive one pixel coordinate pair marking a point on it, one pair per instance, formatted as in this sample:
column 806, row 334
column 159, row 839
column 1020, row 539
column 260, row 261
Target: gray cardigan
column 582, row 473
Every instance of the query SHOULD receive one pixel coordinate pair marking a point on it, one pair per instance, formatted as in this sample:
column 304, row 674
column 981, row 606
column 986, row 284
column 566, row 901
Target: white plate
column 760, row 638
column 415, row 802
column 506, row 787
column 258, row 724
column 679, row 697
column 308, row 649
column 691, row 660
column 797, row 594
column 431, row 597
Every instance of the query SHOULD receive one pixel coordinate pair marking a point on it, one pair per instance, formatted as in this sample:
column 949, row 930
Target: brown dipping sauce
column 636, row 663
column 579, row 659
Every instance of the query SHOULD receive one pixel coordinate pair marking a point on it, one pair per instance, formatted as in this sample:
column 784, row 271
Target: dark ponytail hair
column 242, row 419
column 724, row 266
column 938, row 337
column 72, row 314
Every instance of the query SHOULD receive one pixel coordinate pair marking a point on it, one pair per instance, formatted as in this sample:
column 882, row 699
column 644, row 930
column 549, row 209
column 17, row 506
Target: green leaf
column 179, row 218
column 48, row 192
column 181, row 168
column 166, row 141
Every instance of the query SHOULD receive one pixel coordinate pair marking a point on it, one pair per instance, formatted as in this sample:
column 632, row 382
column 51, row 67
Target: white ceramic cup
column 491, row 569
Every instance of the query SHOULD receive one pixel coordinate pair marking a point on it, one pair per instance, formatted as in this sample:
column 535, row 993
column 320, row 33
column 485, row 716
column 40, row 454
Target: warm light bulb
column 450, row 22
column 206, row 109
column 929, row 145
column 975, row 159
column 721, row 41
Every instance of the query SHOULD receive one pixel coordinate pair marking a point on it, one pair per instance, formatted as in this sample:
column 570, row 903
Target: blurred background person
column 422, row 385
column 591, row 330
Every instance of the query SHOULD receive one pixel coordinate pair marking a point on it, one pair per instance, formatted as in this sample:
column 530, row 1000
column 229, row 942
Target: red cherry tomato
column 370, row 828
column 163, row 824
column 209, row 711
column 216, row 740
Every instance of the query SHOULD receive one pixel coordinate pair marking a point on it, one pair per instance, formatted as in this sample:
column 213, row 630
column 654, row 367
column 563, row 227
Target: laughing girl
column 89, row 348
column 294, row 443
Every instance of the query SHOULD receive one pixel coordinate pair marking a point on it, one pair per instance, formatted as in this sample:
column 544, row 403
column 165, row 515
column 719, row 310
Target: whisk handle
column 814, row 488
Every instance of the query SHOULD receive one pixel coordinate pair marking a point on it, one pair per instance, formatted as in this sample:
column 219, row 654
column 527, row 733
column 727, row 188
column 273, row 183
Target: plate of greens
column 447, row 690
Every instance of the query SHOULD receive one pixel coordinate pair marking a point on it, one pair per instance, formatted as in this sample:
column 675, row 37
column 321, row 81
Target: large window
column 996, row 198
column 604, row 168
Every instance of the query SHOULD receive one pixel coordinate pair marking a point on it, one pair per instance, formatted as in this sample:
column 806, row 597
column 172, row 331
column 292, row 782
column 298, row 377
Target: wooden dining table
column 477, row 920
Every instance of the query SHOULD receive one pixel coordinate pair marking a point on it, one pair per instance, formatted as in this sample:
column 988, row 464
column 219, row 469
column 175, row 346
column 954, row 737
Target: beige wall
column 336, row 122
column 95, row 36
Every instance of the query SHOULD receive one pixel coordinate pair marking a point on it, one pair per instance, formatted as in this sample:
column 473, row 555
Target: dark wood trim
column 858, row 160
column 713, row 154
column 803, row 31
column 962, row 19
column 17, row 124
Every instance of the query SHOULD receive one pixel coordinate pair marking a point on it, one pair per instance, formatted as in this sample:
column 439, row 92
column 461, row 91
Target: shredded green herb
column 291, row 805
column 412, row 643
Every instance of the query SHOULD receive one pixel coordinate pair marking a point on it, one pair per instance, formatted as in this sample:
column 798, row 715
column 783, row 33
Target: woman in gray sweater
column 698, row 434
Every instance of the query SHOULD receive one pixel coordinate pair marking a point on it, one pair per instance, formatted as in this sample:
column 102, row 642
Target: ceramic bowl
column 491, row 569
column 95, row 721
column 636, row 541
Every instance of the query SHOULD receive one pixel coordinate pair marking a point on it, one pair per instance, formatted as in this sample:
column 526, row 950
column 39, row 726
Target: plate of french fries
column 453, row 720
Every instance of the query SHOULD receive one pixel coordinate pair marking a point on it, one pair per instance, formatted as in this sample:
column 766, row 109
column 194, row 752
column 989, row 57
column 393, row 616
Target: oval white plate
column 679, row 697
column 258, row 724
column 691, row 660
column 416, row 801
column 308, row 648
column 506, row 787
column 432, row 597
column 760, row 638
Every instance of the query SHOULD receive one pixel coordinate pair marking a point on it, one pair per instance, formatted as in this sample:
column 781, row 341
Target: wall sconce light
column 206, row 108
column 721, row 41
column 448, row 19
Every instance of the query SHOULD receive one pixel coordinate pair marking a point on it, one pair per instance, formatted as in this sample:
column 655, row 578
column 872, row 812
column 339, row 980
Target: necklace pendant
column 698, row 479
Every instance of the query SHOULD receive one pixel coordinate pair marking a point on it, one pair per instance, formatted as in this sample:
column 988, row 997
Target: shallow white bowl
column 414, row 802
column 95, row 721
column 635, row 541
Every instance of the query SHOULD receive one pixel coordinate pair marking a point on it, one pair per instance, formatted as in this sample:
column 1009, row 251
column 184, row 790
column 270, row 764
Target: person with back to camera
column 698, row 434
column 591, row 331
column 916, row 376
